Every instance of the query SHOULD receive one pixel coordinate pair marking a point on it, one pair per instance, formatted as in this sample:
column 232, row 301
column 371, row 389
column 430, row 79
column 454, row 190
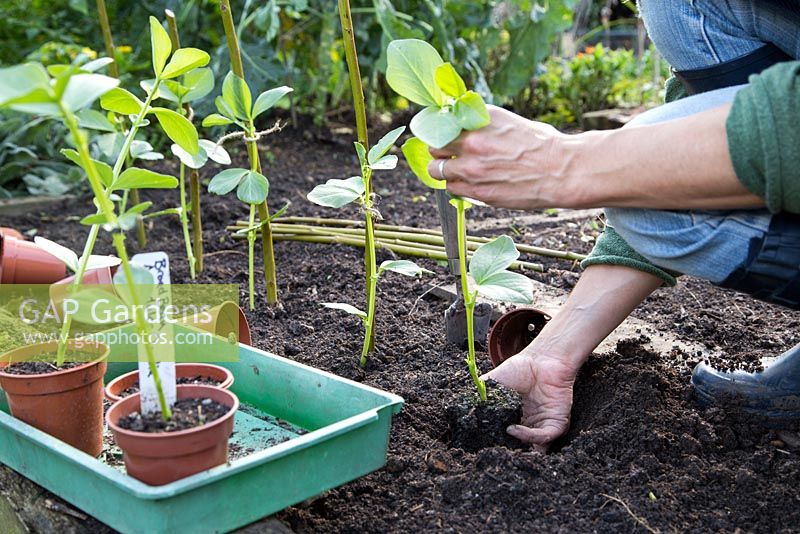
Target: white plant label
column 158, row 265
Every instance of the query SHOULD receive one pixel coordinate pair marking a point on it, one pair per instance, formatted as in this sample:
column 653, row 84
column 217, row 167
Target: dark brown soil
column 476, row 425
column 186, row 414
column 47, row 364
column 639, row 451
column 182, row 380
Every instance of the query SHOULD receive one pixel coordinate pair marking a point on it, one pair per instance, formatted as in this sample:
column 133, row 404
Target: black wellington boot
column 773, row 393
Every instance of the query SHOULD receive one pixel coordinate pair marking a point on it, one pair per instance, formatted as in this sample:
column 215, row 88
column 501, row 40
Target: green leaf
column 386, row 163
column 97, row 218
column 236, row 95
column 419, row 157
column 216, row 153
column 37, row 102
column 411, row 71
column 404, row 267
column 253, row 189
column 492, row 257
column 507, row 287
column 267, row 99
column 134, row 178
column 178, row 128
column 184, row 60
column 140, row 208
column 104, row 169
column 65, row 255
column 347, row 308
column 215, row 119
column 337, row 193
column 384, row 145
column 143, row 283
column 193, row 162
column 362, row 154
column 470, row 111
column 200, row 82
column 94, row 120
column 226, row 181
column 21, row 80
column 121, row 101
column 436, row 127
column 96, row 64
column 224, row 109
column 83, row 89
column 163, row 91
column 449, row 81
column 160, row 45
column 144, row 150
column 110, row 144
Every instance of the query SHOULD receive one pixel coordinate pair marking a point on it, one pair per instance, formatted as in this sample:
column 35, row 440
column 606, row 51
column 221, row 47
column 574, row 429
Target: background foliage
column 501, row 46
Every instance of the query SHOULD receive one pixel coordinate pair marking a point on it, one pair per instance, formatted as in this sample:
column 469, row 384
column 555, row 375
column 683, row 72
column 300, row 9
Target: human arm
column 522, row 164
column 544, row 372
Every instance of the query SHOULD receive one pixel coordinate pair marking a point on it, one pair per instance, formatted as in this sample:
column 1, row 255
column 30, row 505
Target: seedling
column 62, row 91
column 235, row 106
column 338, row 193
column 417, row 72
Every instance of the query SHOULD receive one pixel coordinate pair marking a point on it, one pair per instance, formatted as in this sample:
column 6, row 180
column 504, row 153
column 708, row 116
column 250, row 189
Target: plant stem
column 185, row 223
column 107, row 208
column 357, row 89
column 469, row 298
column 197, row 219
column 141, row 234
column 75, row 286
column 251, row 245
column 102, row 14
column 268, row 252
column 195, row 260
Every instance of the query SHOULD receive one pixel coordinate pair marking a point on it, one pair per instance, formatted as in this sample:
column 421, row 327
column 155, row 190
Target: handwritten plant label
column 158, row 265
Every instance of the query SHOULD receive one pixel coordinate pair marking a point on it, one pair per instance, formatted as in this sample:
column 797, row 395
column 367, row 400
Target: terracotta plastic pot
column 227, row 318
column 513, row 332
column 103, row 276
column 182, row 370
column 66, row 404
column 22, row 262
column 161, row 458
column 11, row 232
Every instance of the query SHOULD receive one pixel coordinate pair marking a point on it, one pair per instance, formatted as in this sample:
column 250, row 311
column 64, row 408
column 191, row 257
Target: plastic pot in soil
column 161, row 458
column 22, row 262
column 10, row 232
column 226, row 319
column 514, row 331
column 66, row 404
column 182, row 370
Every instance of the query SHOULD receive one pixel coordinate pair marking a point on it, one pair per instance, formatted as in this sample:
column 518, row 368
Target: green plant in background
column 418, row 73
column 596, row 79
column 236, row 106
column 338, row 193
column 63, row 91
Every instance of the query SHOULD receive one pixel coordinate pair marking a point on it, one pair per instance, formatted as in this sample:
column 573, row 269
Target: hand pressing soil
column 186, row 414
column 476, row 425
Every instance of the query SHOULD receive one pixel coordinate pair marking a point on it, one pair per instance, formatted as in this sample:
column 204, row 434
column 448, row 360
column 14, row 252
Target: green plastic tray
column 337, row 431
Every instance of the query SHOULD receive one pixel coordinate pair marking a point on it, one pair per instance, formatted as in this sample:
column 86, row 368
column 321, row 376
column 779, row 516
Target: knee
column 651, row 233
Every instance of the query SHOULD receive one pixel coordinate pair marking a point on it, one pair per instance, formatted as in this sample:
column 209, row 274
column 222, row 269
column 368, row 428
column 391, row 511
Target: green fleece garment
column 764, row 144
column 764, row 136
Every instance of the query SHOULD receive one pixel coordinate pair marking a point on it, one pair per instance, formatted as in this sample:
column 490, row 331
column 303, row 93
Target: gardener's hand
column 545, row 384
column 511, row 163
column 521, row 164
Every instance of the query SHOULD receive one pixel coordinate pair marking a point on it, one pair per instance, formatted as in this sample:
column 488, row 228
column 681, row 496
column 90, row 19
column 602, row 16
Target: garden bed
column 638, row 446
